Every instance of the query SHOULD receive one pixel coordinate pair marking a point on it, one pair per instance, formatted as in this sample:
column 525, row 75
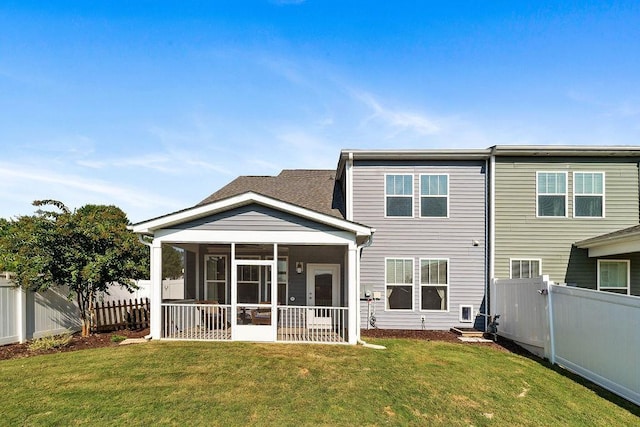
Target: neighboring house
column 403, row 239
column 549, row 205
column 426, row 267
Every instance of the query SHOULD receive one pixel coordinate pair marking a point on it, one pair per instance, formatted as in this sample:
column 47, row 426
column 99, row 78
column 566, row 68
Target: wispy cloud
column 19, row 178
column 287, row 2
column 400, row 120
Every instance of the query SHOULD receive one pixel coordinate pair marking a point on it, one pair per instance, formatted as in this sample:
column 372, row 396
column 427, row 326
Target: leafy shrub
column 117, row 338
column 50, row 342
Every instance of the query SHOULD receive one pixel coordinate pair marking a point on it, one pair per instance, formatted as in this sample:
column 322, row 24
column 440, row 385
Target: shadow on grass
column 600, row 391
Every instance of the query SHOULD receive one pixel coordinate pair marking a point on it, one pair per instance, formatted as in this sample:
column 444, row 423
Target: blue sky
column 153, row 105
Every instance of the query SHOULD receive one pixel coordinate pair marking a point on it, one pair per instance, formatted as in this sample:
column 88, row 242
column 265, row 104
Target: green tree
column 171, row 262
column 86, row 250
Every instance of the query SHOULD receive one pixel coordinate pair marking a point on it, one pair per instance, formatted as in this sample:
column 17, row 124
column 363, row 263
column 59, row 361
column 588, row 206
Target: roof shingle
column 311, row 189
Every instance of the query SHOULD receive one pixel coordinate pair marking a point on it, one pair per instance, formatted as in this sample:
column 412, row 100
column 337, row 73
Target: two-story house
column 401, row 239
column 549, row 207
column 426, row 267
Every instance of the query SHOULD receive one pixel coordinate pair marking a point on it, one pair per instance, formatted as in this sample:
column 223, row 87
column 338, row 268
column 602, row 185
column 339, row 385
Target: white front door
column 323, row 285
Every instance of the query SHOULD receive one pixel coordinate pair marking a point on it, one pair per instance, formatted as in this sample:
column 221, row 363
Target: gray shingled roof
column 311, row 189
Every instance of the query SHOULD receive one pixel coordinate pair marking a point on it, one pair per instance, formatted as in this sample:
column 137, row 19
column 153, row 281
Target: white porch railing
column 303, row 324
column 196, row 321
column 312, row 324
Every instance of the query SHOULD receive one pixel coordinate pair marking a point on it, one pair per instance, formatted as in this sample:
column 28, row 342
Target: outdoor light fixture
column 299, row 268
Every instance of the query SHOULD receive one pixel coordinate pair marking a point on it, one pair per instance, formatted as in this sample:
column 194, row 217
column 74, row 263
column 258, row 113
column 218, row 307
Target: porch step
column 468, row 332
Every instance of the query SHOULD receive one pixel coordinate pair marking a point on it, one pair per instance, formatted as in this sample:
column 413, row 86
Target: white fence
column 27, row 315
column 592, row 333
column 171, row 290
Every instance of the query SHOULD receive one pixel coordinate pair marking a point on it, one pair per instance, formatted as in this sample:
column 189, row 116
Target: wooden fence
column 115, row 315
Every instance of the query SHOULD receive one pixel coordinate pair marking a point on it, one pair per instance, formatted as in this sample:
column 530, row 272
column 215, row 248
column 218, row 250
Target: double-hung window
column 551, row 191
column 434, row 195
column 249, row 282
column 399, row 283
column 434, row 284
column 588, row 194
column 525, row 268
column 613, row 275
column 398, row 193
column 215, row 278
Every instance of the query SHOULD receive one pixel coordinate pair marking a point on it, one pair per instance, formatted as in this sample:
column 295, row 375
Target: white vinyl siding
column 614, row 275
column 398, row 192
column 399, row 283
column 434, row 284
column 434, row 195
column 588, row 194
column 551, row 198
column 525, row 268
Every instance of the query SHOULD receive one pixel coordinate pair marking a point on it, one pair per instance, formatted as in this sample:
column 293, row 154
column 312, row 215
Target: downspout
column 492, row 236
column 150, row 246
column 366, row 244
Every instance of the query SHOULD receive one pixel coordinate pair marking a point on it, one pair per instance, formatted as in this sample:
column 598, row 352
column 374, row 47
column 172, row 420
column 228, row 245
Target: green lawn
column 410, row 383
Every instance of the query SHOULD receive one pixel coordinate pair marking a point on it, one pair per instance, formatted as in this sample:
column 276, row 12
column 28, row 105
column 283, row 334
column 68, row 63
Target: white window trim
column 207, row 280
column 604, row 186
column 436, row 285
column 413, row 204
column 626, row 261
column 412, row 284
column 566, row 195
column 461, row 319
column 524, row 259
column 286, row 283
column 240, row 262
column 421, row 195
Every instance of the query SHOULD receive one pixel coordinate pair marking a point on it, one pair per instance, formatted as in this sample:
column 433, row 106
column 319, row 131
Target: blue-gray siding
column 417, row 238
column 253, row 217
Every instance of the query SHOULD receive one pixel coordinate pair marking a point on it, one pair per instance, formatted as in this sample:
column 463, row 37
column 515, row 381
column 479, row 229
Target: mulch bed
column 500, row 344
column 15, row 351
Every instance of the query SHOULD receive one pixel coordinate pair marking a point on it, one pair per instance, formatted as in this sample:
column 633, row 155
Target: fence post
column 21, row 295
column 552, row 338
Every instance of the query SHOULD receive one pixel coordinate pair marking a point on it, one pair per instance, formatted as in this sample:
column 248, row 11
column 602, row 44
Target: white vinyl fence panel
column 596, row 334
column 9, row 327
column 118, row 293
column 27, row 315
column 592, row 333
column 523, row 312
column 171, row 290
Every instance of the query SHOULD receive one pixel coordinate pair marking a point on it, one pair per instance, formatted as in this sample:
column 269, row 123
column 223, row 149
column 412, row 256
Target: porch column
column 352, row 296
column 156, row 290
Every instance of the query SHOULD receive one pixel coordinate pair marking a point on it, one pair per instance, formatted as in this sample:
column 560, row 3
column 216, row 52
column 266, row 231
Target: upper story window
column 398, row 193
column 434, row 195
column 588, row 194
column 399, row 283
column 525, row 268
column 551, row 191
